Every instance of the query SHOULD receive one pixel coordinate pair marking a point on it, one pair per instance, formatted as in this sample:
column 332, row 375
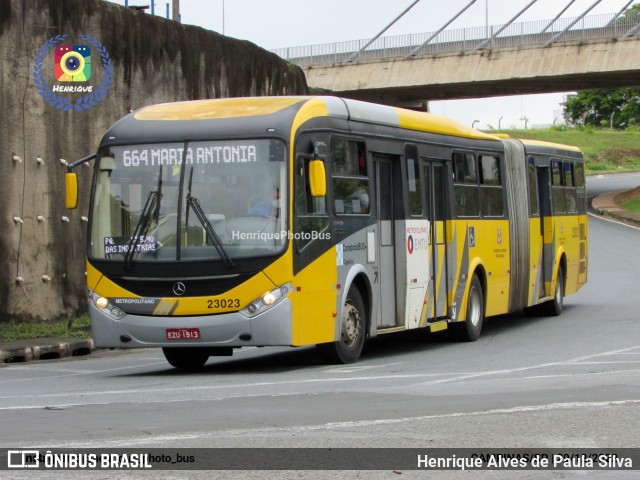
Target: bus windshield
column 212, row 200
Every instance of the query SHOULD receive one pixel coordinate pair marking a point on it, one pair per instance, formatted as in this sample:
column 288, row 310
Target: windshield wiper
column 156, row 214
column 194, row 203
column 151, row 206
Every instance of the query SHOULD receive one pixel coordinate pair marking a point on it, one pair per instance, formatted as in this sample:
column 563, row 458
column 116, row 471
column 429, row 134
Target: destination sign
column 215, row 153
column 114, row 245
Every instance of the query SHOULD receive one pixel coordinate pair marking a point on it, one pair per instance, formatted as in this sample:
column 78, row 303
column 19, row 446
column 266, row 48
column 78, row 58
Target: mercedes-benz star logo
column 179, row 288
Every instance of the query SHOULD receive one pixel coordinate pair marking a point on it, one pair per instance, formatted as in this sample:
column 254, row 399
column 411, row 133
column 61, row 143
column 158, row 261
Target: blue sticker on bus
column 472, row 236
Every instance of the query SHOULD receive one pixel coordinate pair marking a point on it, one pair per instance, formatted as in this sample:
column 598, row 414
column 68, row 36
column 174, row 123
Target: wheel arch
column 476, row 268
column 561, row 263
column 351, row 334
column 359, row 278
column 361, row 282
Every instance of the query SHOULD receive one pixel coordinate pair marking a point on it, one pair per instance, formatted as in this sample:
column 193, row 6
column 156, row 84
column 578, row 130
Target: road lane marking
column 359, row 367
column 607, row 363
column 613, row 221
column 456, row 377
column 143, row 390
column 497, row 411
column 80, row 372
column 576, row 374
column 200, row 436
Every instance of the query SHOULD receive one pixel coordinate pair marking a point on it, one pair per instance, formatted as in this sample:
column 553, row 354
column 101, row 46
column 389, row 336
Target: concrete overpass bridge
column 600, row 51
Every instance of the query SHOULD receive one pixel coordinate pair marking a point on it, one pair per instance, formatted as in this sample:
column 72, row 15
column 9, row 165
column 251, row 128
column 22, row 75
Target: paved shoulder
column 605, row 204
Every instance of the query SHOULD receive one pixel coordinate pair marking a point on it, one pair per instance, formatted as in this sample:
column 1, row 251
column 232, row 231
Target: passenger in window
column 362, row 162
column 268, row 206
column 359, row 198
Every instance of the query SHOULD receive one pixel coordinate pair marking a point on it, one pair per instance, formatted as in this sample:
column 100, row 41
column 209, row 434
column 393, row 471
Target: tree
column 631, row 13
column 615, row 108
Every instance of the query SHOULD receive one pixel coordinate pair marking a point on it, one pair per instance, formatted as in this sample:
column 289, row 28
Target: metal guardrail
column 538, row 32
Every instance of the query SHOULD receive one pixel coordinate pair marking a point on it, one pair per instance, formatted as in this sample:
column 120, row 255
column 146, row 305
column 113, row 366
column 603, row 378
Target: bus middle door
column 434, row 178
column 386, row 245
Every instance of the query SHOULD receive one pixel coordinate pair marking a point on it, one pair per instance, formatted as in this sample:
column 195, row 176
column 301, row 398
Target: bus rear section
column 558, row 223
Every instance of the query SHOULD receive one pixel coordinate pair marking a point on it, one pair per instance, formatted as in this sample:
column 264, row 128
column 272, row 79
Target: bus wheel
column 553, row 308
column 188, row 358
column 352, row 332
column 469, row 330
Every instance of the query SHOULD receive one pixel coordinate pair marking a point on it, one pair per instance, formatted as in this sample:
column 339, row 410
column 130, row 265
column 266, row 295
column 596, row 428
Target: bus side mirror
column 317, row 178
column 71, row 185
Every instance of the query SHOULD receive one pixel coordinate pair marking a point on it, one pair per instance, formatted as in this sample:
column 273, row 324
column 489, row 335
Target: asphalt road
column 599, row 184
column 566, row 382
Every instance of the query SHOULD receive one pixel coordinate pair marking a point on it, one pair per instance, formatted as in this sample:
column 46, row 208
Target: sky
column 273, row 24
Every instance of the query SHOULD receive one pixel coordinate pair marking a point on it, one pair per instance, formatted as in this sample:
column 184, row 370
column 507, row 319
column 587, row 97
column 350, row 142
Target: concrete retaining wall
column 154, row 60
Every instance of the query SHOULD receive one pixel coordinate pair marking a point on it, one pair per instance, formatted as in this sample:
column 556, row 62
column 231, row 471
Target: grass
column 633, row 204
column 12, row 331
column 604, row 150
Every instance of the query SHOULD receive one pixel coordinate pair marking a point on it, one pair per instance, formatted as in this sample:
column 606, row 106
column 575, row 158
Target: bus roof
column 550, row 145
column 217, row 108
column 310, row 107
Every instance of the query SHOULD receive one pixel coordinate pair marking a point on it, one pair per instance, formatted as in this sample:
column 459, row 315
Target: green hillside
column 604, row 150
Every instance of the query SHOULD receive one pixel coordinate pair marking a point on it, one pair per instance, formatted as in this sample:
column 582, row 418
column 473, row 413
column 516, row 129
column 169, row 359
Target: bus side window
column 579, row 174
column 350, row 181
column 306, row 203
column 491, row 191
column 310, row 212
column 533, row 188
column 427, row 182
column 557, row 187
column 581, row 194
column 414, row 186
column 570, row 188
column 465, row 189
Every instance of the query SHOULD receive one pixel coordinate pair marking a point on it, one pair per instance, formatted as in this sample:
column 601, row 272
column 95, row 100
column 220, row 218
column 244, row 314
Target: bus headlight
column 268, row 298
column 102, row 302
column 266, row 301
column 106, row 306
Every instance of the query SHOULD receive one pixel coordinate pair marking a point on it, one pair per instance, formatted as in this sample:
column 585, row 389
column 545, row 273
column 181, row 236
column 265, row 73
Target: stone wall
column 154, row 60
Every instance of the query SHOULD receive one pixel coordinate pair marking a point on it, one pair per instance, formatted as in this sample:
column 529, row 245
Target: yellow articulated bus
column 221, row 224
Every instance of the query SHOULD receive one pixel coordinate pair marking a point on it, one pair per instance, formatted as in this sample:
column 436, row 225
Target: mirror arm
column 73, row 165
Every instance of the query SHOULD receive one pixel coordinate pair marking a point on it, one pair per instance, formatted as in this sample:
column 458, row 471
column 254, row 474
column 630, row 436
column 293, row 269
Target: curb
column 44, row 349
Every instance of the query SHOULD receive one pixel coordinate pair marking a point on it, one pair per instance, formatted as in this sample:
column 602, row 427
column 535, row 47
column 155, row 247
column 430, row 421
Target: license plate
column 183, row 333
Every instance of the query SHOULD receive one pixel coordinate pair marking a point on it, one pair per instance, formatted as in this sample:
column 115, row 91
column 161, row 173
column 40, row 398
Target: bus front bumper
column 272, row 327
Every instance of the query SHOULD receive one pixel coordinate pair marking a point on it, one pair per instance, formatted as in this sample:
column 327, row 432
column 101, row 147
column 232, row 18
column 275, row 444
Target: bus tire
column 553, row 307
column 188, row 357
column 469, row 330
column 352, row 332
